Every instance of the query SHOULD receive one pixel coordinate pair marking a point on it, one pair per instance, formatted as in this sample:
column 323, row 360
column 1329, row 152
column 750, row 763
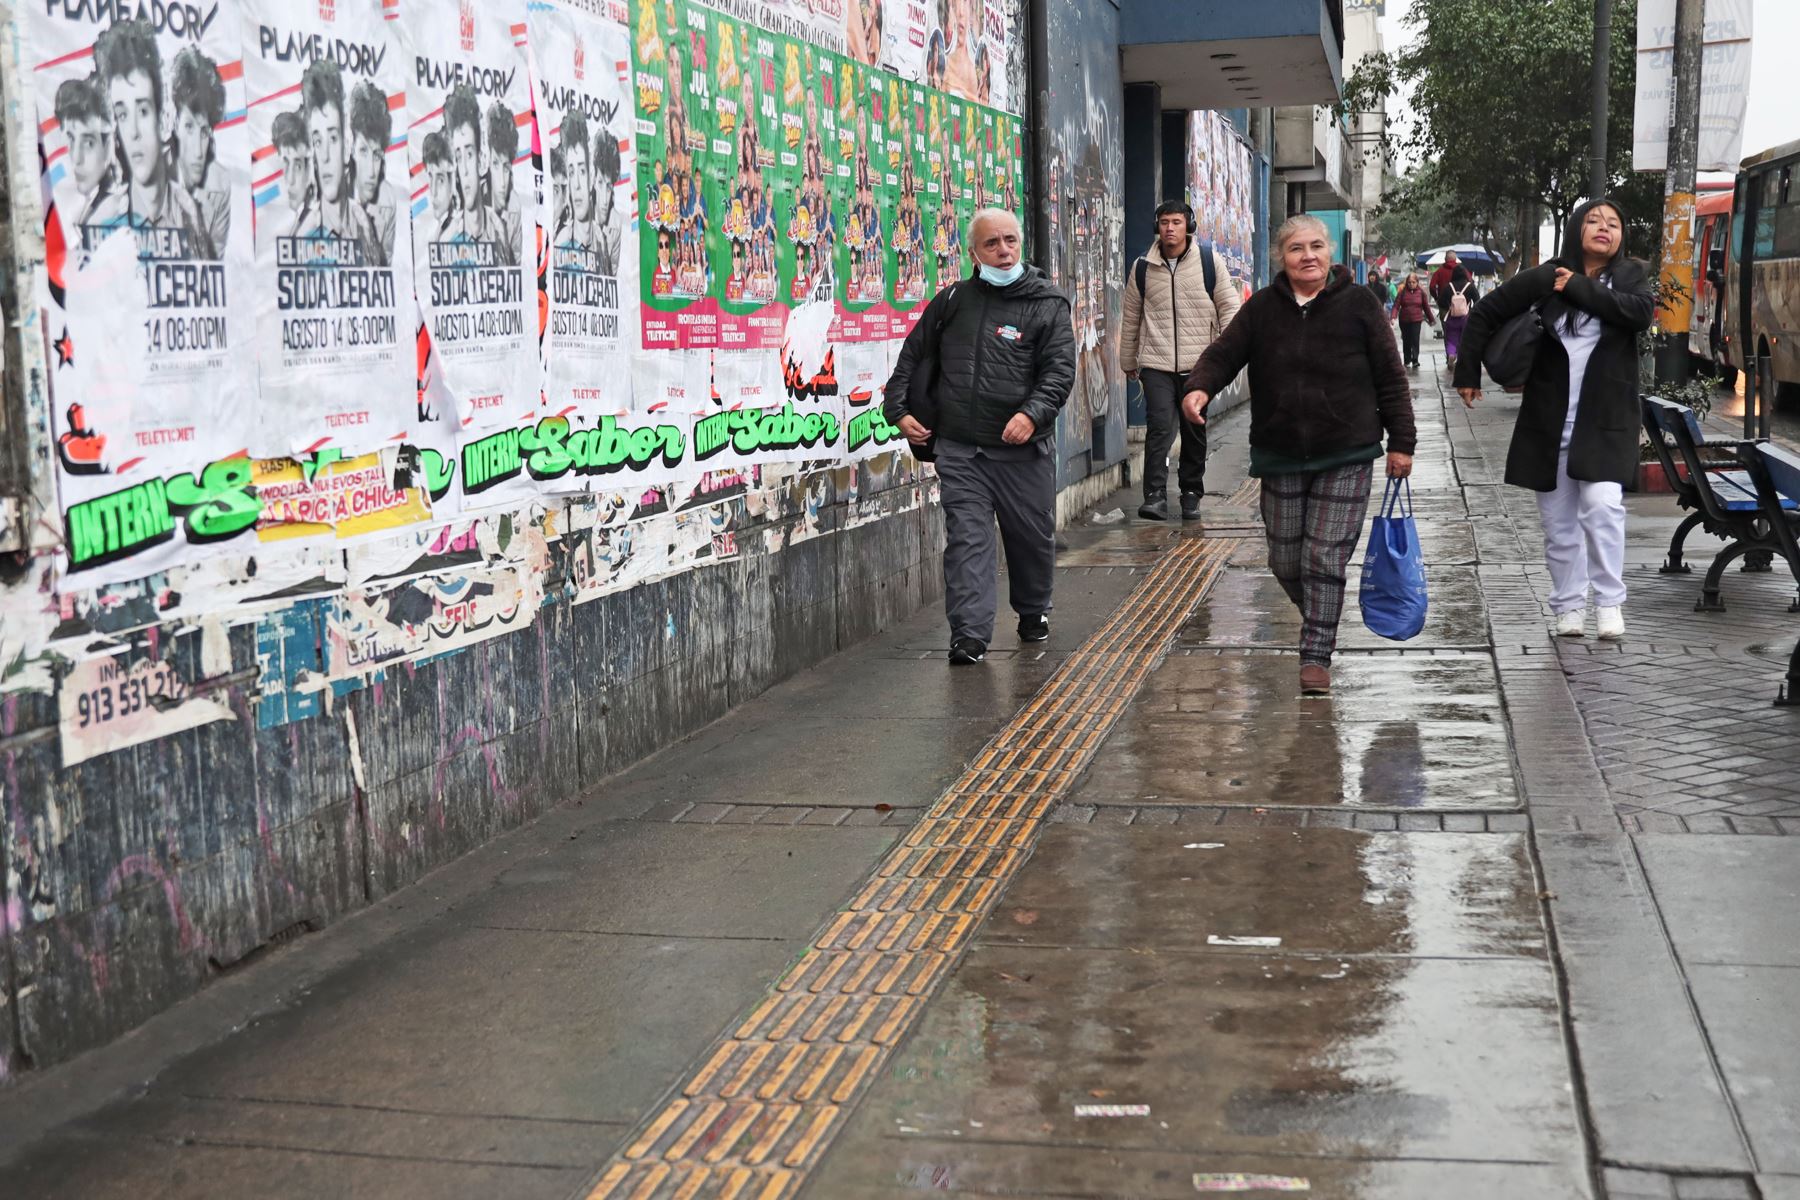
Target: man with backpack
column 978, row 384
column 1178, row 298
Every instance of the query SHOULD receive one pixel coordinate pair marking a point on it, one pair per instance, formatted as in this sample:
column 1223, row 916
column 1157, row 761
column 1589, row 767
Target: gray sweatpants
column 1021, row 495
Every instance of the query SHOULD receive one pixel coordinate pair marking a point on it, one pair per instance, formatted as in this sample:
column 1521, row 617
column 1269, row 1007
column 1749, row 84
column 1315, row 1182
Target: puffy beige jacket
column 1173, row 323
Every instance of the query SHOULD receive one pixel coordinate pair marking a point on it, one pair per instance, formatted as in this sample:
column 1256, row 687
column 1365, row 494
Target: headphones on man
column 1188, row 211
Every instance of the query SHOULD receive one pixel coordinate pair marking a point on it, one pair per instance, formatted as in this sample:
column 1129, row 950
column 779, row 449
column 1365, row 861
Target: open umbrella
column 1474, row 257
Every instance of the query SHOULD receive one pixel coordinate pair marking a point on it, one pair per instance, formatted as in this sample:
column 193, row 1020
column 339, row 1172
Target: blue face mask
column 1000, row 278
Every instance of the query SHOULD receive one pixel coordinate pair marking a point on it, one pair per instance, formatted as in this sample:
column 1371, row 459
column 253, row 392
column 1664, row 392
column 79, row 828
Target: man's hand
column 1563, row 275
column 1131, row 375
column 1019, row 430
column 1193, row 407
column 915, row 433
column 1399, row 465
column 1469, row 395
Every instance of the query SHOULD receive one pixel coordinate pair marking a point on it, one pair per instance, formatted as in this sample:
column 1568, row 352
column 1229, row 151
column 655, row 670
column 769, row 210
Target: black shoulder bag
column 919, row 399
column 1514, row 347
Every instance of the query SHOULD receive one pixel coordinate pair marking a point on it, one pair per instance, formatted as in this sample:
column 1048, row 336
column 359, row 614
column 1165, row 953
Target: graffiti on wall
column 325, row 284
column 1083, row 174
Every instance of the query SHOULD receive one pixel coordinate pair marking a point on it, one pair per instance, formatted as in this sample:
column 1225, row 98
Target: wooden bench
column 1775, row 478
column 1724, row 500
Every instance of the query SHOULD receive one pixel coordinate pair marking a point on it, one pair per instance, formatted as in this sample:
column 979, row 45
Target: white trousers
column 1584, row 541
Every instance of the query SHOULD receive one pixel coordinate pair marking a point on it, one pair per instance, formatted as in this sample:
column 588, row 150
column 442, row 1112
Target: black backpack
column 1207, row 267
column 919, row 400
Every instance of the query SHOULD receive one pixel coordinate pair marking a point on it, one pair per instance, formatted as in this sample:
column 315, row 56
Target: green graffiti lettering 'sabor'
column 611, row 447
column 871, row 426
column 748, row 431
column 115, row 526
column 491, row 460
column 220, row 505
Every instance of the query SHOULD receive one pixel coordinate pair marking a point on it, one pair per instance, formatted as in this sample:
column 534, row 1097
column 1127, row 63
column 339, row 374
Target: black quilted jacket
column 1000, row 351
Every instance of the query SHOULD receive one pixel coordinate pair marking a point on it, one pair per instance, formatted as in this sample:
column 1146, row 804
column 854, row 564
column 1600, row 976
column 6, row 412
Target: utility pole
column 1602, row 94
column 1677, row 308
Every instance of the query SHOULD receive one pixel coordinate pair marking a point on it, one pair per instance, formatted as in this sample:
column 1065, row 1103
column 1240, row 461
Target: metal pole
column 1602, row 95
column 1677, row 308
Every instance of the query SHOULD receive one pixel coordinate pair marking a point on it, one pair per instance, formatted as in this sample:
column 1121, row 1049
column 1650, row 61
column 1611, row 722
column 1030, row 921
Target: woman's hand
column 1469, row 395
column 1193, row 407
column 1399, row 465
column 1563, row 275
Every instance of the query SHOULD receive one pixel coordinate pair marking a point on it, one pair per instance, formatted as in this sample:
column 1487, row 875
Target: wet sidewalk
column 1121, row 916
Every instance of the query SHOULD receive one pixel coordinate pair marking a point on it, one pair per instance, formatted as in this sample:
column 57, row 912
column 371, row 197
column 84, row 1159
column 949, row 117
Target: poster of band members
column 334, row 305
column 677, row 186
column 953, row 46
column 862, row 158
column 582, row 66
column 909, row 265
column 943, row 180
column 747, row 255
column 148, row 265
column 473, row 204
column 809, row 132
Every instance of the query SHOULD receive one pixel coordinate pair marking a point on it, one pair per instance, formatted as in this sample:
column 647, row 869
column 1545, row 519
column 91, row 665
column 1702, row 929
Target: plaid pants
column 1313, row 522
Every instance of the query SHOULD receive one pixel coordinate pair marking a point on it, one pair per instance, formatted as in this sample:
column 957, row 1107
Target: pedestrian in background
column 1576, row 439
column 1178, row 298
column 998, row 356
column 1459, row 302
column 1439, row 284
column 1325, row 383
column 1413, row 308
column 1378, row 284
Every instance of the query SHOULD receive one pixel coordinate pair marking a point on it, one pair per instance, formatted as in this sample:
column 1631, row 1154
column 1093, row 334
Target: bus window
column 1765, row 215
column 1787, row 219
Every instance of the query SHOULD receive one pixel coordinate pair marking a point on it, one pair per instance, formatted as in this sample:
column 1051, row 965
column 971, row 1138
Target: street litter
column 1251, row 1183
column 1112, row 1110
column 1109, row 518
column 1213, row 939
column 1204, row 846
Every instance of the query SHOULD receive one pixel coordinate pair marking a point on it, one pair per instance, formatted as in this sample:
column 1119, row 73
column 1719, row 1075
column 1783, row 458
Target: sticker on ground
column 1251, row 1183
column 1213, row 939
column 1112, row 1110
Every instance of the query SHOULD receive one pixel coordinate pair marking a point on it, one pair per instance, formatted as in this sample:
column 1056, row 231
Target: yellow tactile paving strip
column 757, row 1115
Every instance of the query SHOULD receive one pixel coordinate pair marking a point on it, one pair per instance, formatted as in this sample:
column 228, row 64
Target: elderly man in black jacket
column 997, row 352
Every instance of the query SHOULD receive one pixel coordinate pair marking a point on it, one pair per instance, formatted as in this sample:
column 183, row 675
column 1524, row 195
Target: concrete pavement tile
column 1720, row 1187
column 1749, row 1015
column 697, row 881
column 1323, row 891
column 1622, row 1184
column 1243, row 1053
column 85, row 1168
column 522, row 1023
column 1652, row 1093
column 879, row 1164
column 892, row 760
column 1728, row 900
column 1779, row 1187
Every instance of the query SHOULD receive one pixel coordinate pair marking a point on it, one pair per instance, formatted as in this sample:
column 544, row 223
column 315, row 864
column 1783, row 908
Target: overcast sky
column 1773, row 117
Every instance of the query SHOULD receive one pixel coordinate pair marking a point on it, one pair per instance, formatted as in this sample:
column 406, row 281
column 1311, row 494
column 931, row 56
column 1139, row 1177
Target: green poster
column 909, row 269
column 809, row 132
column 941, row 191
column 678, row 183
column 743, row 244
column 862, row 143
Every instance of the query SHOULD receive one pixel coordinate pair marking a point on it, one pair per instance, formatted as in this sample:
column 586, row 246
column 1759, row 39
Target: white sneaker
column 1569, row 624
column 1611, row 622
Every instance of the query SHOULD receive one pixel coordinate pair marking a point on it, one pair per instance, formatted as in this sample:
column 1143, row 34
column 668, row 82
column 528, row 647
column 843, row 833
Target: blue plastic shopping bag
column 1393, row 580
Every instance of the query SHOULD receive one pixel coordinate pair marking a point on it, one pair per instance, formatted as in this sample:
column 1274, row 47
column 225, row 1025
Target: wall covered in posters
column 388, row 339
column 1221, row 187
column 1082, row 173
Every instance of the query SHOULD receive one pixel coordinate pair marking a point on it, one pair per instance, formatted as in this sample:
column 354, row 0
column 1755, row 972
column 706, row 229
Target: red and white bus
column 1757, row 274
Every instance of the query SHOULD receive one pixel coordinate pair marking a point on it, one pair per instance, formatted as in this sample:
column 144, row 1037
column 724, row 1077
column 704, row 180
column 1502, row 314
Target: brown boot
column 1315, row 680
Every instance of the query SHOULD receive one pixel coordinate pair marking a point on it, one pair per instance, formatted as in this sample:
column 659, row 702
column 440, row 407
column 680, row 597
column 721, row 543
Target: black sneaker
column 1190, row 506
column 966, row 652
column 1155, row 508
column 1034, row 629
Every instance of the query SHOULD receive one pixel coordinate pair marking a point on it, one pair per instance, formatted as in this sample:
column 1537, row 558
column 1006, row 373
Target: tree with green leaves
column 1499, row 94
